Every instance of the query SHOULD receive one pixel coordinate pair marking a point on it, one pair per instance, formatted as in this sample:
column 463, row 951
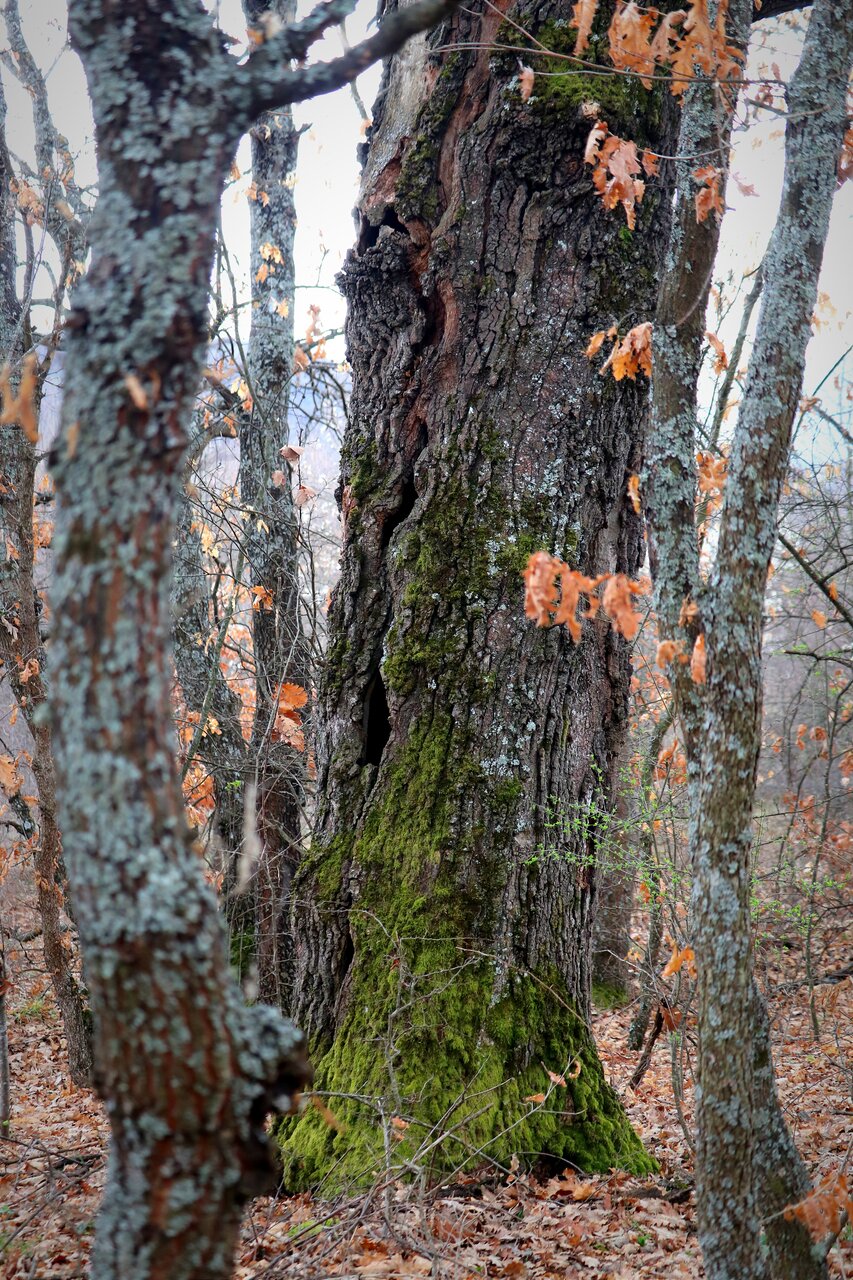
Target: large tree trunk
column 445, row 913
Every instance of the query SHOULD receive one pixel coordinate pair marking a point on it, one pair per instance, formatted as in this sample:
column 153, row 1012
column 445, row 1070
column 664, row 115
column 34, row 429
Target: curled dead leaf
column 526, row 77
column 698, row 661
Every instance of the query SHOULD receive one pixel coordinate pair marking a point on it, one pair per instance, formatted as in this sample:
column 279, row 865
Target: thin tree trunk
column 5, row 1080
column 280, row 651
column 444, row 915
column 746, row 1161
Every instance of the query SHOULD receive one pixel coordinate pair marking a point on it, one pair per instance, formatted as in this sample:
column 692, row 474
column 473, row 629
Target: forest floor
column 52, row 1165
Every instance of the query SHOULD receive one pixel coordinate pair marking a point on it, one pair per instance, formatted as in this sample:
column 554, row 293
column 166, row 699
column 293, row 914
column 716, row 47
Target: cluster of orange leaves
column 616, row 166
column 553, row 593
column 629, row 355
column 644, row 41
column 823, row 1210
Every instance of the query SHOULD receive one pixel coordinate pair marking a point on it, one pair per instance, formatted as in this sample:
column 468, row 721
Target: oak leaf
column 709, row 197
column 721, row 363
column 632, row 355
column 10, row 780
column 583, row 16
column 667, row 651
column 20, row 407
column 677, row 960
column 526, row 77
column 618, row 603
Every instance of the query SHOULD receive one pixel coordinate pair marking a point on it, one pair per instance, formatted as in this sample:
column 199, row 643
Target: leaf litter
column 613, row 1227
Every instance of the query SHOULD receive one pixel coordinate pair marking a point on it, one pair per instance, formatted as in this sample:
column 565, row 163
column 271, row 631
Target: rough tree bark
column 188, row 1073
column 747, row 1164
column 444, row 915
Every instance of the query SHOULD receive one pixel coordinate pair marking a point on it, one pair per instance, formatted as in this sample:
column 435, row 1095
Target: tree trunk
column 187, row 1071
column 444, row 921
column 271, row 533
column 747, row 1165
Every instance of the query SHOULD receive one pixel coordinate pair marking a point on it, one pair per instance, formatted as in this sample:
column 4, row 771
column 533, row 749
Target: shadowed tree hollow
column 444, row 916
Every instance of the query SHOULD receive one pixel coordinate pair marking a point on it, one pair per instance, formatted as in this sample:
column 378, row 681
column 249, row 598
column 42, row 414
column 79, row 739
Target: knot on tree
column 272, row 1071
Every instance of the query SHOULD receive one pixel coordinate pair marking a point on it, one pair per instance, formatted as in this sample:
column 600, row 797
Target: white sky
column 328, row 175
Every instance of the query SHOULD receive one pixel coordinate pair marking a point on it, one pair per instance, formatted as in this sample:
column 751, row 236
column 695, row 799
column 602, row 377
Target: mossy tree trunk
column 444, row 916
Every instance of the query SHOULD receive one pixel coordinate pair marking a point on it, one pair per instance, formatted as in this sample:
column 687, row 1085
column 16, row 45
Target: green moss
column 241, row 949
column 561, row 88
column 425, row 1037
column 416, row 190
column 607, row 996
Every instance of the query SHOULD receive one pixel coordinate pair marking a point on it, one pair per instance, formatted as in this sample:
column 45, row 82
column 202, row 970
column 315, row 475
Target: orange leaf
column 526, row 77
column 819, row 618
column 583, row 16
column 632, row 355
column 698, row 661
column 634, row 492
column 535, row 1097
column 20, row 407
column 709, row 197
column 677, row 960
column 262, row 600
column 722, row 361
column 291, row 697
column 618, row 603
column 10, row 779
column 595, row 343
column 667, row 650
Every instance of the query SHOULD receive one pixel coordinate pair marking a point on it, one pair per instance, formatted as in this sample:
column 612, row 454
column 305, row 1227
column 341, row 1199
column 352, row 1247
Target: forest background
column 798, row 722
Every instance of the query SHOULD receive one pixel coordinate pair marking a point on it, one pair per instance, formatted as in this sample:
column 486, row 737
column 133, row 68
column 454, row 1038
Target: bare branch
column 264, row 83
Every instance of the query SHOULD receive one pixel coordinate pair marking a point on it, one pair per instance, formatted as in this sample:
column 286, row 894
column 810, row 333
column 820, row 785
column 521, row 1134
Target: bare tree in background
column 747, row 1164
column 44, row 202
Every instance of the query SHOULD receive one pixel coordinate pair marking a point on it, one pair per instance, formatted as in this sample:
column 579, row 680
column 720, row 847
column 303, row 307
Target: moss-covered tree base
column 428, row 1075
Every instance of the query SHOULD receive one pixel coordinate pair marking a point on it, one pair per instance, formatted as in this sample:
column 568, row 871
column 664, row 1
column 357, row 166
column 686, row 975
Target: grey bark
column 746, row 1162
column 188, row 1073
column 280, row 649
column 20, row 606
